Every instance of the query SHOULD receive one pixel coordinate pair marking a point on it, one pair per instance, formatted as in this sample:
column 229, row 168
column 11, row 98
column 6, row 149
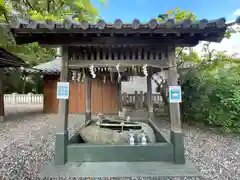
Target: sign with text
column 175, row 94
column 62, row 90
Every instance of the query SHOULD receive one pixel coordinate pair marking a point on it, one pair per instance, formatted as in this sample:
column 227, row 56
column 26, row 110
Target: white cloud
column 237, row 12
column 231, row 46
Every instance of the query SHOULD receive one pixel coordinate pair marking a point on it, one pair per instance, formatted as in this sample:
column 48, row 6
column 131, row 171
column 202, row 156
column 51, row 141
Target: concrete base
column 177, row 140
column 1, row 118
column 88, row 116
column 82, row 152
column 120, row 169
column 61, row 142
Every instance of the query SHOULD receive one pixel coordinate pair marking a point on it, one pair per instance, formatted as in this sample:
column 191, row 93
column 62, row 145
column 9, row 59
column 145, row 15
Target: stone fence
column 29, row 98
column 138, row 98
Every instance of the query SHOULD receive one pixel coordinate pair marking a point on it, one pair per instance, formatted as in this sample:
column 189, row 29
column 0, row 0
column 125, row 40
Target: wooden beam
column 88, row 113
column 103, row 41
column 1, row 94
column 123, row 63
column 91, row 40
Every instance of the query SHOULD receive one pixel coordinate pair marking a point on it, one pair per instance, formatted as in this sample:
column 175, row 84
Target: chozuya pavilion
column 109, row 52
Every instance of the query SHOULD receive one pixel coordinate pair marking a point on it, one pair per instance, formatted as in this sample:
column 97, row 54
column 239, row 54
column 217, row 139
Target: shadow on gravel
column 22, row 115
column 19, row 112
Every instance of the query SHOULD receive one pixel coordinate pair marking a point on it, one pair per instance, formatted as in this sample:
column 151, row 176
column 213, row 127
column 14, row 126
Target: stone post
column 14, row 98
column 29, row 96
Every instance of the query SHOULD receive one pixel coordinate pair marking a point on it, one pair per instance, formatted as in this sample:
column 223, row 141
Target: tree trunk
column 162, row 87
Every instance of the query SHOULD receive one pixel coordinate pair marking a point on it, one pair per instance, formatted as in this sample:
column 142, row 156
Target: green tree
column 39, row 10
column 210, row 83
column 178, row 14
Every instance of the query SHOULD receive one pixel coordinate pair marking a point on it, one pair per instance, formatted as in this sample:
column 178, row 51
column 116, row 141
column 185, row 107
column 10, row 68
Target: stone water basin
column 109, row 131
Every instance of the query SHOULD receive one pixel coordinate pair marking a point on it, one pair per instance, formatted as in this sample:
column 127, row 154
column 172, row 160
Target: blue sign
column 175, row 94
column 62, row 90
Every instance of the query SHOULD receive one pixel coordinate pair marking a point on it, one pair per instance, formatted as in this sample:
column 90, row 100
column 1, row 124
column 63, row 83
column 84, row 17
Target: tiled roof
column 49, row 31
column 9, row 60
column 51, row 67
column 70, row 23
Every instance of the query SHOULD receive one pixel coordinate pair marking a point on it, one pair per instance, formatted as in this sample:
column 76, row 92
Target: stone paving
column 27, row 142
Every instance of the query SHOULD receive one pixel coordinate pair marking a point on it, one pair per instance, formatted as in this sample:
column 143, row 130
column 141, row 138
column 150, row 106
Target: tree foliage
column 179, row 14
column 32, row 53
column 211, row 93
column 41, row 10
column 210, row 83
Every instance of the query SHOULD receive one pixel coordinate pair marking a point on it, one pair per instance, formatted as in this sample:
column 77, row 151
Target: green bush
column 212, row 97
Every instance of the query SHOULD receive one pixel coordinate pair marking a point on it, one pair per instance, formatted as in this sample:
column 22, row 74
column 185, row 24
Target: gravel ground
column 27, row 142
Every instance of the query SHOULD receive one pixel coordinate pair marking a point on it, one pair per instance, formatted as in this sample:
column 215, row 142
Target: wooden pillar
column 88, row 113
column 177, row 137
column 1, row 94
column 62, row 133
column 119, row 96
column 149, row 96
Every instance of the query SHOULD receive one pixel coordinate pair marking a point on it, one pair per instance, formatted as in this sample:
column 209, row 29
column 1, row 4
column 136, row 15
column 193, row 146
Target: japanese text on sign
column 175, row 94
column 62, row 90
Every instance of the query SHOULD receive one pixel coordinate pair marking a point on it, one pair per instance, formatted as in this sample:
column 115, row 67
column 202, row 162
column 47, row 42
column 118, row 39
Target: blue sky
column 146, row 9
